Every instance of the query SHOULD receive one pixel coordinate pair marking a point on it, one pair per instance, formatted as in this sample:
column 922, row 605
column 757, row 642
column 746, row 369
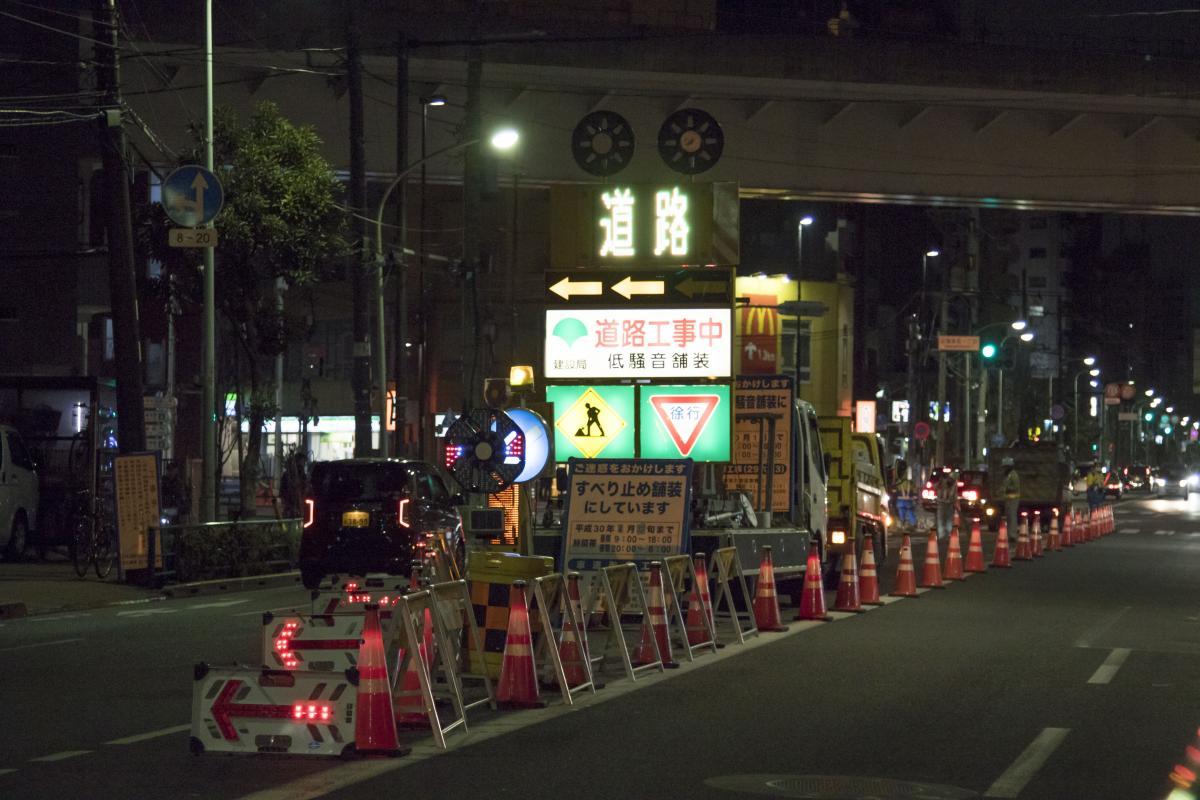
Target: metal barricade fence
column 239, row 548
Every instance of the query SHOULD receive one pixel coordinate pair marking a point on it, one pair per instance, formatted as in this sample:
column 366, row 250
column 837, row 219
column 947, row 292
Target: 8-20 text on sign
column 192, row 237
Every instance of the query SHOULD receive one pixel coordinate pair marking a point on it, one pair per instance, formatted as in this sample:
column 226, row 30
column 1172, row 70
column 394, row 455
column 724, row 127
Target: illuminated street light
column 1094, row 384
column 1149, row 393
column 1090, row 361
column 1095, row 373
column 1019, row 325
column 505, row 139
column 1027, row 336
column 806, row 220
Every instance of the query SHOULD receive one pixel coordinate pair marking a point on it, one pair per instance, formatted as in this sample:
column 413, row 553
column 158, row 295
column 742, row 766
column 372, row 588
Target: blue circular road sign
column 192, row 196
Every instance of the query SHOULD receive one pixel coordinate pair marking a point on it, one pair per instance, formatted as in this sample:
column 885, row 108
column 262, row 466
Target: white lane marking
column 1130, row 530
column 141, row 737
column 145, row 612
column 1164, row 533
column 65, row 754
column 6, row 771
column 1101, row 627
column 1021, row 771
column 1105, row 672
column 54, row 617
column 39, row 644
column 220, row 604
column 280, row 610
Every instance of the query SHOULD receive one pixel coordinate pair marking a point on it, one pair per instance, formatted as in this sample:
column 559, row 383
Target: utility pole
column 400, row 324
column 208, row 410
column 122, row 273
column 981, row 434
column 472, row 207
column 966, row 410
column 943, row 327
column 914, row 404
column 361, row 271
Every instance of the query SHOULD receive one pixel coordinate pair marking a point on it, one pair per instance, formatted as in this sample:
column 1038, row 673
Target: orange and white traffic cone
column 812, row 599
column 572, row 645
column 1035, row 531
column 656, row 625
column 1055, row 536
column 1001, row 557
column 1110, row 522
column 705, row 593
column 975, row 562
column 848, row 598
column 931, row 571
column 697, row 627
column 953, row 571
column 766, row 601
column 374, row 725
column 1024, row 551
column 906, row 577
column 518, row 684
column 1067, row 525
column 1089, row 527
column 869, row 578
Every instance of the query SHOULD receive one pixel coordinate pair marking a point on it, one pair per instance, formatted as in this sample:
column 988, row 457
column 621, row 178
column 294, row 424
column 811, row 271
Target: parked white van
column 18, row 493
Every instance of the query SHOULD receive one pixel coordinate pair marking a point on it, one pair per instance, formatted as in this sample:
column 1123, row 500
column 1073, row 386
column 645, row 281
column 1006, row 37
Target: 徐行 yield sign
column 684, row 416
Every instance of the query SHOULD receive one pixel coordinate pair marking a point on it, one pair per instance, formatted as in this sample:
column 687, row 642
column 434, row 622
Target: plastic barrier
column 351, row 593
column 620, row 587
column 449, row 604
column 726, row 566
column 557, row 617
column 491, row 576
column 247, row 710
column 681, row 574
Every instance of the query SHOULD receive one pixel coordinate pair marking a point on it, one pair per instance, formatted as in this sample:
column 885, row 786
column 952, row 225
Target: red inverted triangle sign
column 685, row 438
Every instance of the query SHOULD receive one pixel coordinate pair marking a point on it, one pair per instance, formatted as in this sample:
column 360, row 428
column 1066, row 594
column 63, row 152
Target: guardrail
column 233, row 549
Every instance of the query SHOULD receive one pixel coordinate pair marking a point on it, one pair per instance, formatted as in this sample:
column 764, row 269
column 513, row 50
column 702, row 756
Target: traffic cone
column 1035, row 538
column 706, row 605
column 869, row 579
column 374, row 725
column 848, row 598
column 655, row 625
column 1110, row 521
column 697, row 629
column 1001, row 557
column 1089, row 526
column 572, row 645
column 518, row 685
column 812, row 600
column 766, row 602
column 1055, row 537
column 931, row 572
column 1068, row 524
column 975, row 562
column 906, row 577
column 953, row 571
column 1024, row 552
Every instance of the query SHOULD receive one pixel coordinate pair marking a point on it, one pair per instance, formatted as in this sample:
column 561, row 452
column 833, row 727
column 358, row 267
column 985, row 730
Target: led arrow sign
column 664, row 287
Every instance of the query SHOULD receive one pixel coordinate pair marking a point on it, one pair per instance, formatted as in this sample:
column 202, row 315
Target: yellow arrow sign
column 567, row 287
column 627, row 287
column 692, row 287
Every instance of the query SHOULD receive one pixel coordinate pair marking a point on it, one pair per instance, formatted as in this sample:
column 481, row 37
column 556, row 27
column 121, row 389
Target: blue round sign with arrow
column 192, row 196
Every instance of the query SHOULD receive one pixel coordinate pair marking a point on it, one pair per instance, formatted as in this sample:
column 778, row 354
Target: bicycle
column 92, row 542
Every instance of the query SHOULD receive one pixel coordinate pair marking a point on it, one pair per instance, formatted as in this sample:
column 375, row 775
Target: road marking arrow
column 627, row 287
column 567, row 287
column 692, row 287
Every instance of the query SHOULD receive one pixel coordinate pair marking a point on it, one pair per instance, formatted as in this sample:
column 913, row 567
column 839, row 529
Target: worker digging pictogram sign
column 685, row 422
column 590, row 420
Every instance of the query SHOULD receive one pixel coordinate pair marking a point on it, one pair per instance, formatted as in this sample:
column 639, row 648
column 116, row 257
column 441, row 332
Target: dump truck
column 1045, row 472
column 857, row 494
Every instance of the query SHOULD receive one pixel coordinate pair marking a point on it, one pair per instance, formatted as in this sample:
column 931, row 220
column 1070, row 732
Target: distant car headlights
column 1160, row 482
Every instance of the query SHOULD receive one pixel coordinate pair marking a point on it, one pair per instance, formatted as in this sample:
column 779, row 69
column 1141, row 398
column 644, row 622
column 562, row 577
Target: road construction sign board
column 625, row 510
column 685, row 422
column 667, row 286
column 758, row 400
column 590, row 421
column 139, row 509
column 639, row 343
column 964, row 344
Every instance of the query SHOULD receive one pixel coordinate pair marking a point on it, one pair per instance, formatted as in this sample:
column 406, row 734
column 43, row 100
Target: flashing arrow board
column 592, row 420
column 964, row 344
column 641, row 287
column 651, row 343
column 685, row 422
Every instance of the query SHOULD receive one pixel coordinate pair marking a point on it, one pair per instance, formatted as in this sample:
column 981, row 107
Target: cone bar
column 766, row 601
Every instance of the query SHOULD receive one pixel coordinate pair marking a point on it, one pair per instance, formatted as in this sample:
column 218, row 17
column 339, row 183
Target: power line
column 81, row 38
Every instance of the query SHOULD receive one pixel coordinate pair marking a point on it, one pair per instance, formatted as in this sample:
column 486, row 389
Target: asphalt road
column 1075, row 676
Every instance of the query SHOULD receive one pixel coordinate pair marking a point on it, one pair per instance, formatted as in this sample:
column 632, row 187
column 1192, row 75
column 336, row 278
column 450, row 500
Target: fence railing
column 233, row 549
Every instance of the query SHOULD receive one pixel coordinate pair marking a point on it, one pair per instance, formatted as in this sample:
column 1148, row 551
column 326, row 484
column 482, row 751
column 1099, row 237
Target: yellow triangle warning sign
column 590, row 423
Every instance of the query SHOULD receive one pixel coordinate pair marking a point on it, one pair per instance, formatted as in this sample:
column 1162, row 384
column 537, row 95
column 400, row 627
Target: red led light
column 351, row 587
column 283, row 645
column 311, row 712
column 1185, row 773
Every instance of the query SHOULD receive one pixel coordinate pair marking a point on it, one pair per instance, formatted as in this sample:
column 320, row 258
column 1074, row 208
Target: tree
column 281, row 220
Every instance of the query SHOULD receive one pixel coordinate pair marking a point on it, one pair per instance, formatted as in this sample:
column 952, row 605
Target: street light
column 1027, row 336
column 1095, row 373
column 502, row 139
column 1090, row 361
column 1020, row 325
column 805, row 221
column 1024, row 337
column 1149, row 393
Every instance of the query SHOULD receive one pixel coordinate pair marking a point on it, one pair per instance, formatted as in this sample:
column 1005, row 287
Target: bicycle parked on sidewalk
column 93, row 543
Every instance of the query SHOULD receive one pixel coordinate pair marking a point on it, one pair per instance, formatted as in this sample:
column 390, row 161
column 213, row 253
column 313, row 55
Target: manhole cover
column 837, row 787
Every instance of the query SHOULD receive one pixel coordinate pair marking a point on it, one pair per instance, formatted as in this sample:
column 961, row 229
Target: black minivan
column 366, row 515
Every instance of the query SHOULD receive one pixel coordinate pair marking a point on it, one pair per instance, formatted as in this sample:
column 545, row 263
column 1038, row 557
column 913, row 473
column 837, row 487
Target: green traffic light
column 1149, row 416
column 988, row 350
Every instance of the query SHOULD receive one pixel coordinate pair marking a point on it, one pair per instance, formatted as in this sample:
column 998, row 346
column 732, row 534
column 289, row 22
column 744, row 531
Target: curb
column 12, row 609
column 199, row 588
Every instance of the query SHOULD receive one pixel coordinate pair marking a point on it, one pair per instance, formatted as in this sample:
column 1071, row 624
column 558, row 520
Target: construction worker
column 1012, row 494
column 906, row 503
column 1095, row 488
column 947, row 501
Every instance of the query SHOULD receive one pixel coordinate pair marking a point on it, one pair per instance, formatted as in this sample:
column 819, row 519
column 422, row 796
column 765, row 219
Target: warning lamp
column 521, row 377
column 838, row 537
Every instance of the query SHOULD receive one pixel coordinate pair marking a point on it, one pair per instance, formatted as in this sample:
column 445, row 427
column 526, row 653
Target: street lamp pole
column 1089, row 368
column 208, row 478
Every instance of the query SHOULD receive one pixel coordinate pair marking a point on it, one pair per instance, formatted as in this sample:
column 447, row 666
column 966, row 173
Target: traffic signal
column 988, row 351
column 1148, row 416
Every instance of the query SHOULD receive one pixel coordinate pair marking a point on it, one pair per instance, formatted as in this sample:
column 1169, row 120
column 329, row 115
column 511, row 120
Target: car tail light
column 970, row 495
column 310, row 511
column 402, row 512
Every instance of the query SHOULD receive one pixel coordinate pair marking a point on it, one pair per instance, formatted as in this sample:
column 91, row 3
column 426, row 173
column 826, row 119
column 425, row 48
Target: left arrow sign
column 224, row 710
column 567, row 287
